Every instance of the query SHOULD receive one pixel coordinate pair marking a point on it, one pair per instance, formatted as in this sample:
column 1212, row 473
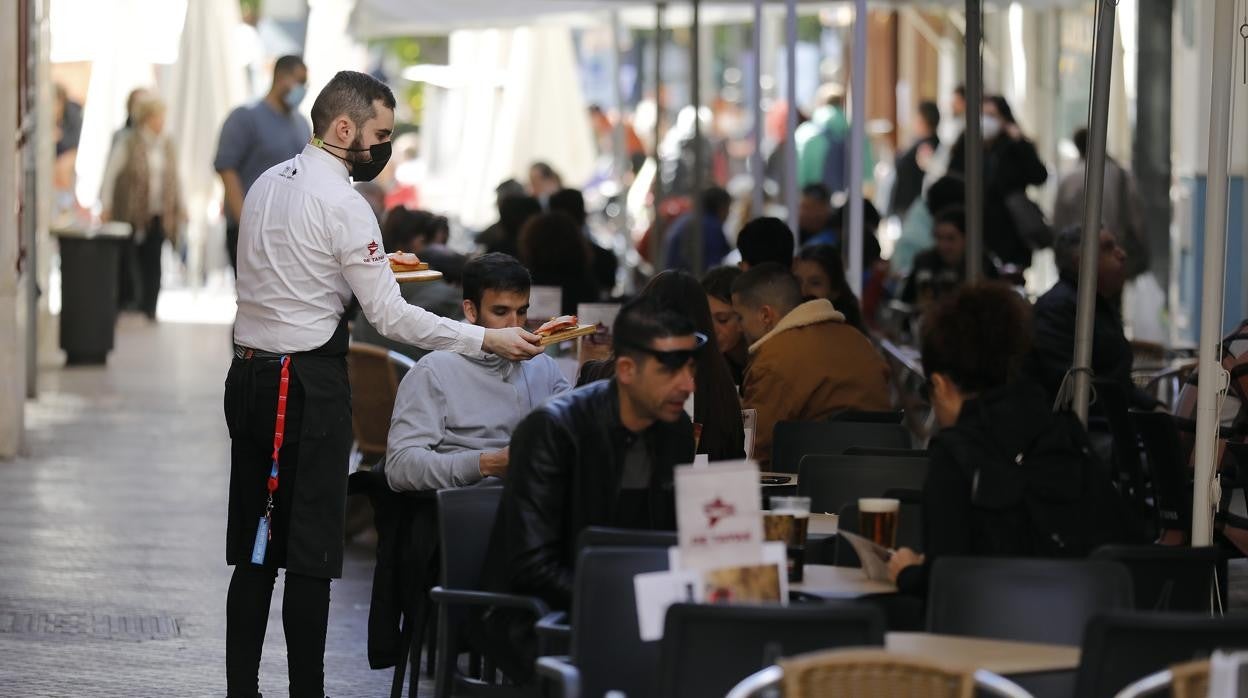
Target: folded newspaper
column 874, row 557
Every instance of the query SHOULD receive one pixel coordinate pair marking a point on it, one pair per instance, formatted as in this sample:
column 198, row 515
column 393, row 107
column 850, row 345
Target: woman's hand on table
column 900, row 560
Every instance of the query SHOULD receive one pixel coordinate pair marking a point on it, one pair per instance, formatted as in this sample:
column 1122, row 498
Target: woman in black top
column 1007, row 476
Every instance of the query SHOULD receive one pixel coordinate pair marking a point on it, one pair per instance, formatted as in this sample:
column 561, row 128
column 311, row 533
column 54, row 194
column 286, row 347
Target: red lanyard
column 279, row 433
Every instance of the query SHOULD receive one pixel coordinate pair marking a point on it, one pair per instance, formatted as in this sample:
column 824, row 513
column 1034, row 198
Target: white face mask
column 991, row 126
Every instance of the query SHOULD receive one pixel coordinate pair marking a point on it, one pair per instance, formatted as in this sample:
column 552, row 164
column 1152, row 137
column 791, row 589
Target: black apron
column 309, row 514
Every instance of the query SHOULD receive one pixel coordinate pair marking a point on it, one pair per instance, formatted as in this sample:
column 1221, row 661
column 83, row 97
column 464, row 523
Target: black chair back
column 602, row 537
column 794, row 440
column 832, row 482
column 1167, row 578
column 898, row 452
column 606, row 641
column 465, row 521
column 707, row 649
column 886, row 417
column 909, row 531
column 1026, row 599
column 1119, row 648
column 1166, row 460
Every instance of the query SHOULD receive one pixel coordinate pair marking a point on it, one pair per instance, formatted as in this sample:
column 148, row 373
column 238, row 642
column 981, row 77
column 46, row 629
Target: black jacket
column 1007, row 464
column 1053, row 350
column 909, row 183
column 567, row 458
column 1010, row 166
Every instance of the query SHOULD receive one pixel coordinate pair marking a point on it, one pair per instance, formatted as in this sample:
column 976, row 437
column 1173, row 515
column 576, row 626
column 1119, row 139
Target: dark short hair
column 766, row 240
column 1081, row 142
column 718, row 282
column 953, row 215
column 350, row 93
column 495, row 271
column 930, row 113
column 818, row 190
column 643, row 320
column 768, row 284
column 515, row 211
column 945, row 192
column 571, row 202
column 715, row 199
column 552, row 246
column 979, row 336
column 288, row 64
column 960, row 90
column 1066, row 250
column 401, row 225
column 545, row 170
column 509, row 188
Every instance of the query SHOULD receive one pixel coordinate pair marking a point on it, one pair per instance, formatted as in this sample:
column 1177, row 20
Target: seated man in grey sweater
column 454, row 414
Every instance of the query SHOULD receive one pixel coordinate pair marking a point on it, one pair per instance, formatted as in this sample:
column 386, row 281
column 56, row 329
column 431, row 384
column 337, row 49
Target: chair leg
column 431, row 643
column 400, row 667
column 413, row 679
column 446, row 658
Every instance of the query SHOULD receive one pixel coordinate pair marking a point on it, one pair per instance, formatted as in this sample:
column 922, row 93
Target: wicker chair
column 1188, row 680
column 374, row 373
column 873, row 672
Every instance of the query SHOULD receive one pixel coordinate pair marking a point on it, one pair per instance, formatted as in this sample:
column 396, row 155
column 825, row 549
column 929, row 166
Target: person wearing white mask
column 1011, row 164
column 257, row 136
column 307, row 243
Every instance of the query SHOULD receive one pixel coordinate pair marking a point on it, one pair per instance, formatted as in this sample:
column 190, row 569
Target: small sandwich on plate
column 556, row 325
column 405, row 261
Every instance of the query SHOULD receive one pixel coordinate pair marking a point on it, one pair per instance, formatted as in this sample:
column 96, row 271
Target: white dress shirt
column 307, row 241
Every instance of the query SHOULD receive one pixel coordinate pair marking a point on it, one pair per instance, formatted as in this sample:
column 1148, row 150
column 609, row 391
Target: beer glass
column 788, row 521
column 877, row 520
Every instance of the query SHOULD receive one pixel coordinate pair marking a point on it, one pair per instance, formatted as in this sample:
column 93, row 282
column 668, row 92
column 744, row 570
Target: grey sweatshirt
column 452, row 408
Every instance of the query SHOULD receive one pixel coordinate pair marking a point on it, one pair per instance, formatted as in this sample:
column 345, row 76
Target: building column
column 12, row 336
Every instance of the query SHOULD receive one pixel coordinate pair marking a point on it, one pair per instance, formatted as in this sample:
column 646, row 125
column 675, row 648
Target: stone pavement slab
column 112, row 559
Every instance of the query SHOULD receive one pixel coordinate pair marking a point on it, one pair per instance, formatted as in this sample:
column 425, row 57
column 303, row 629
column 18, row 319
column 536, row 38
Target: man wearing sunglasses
column 806, row 363
column 601, row 455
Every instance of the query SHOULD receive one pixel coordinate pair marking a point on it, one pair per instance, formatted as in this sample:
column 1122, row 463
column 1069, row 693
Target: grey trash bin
column 90, row 266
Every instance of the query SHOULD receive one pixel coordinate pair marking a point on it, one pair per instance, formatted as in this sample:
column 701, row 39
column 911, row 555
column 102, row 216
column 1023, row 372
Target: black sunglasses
column 676, row 358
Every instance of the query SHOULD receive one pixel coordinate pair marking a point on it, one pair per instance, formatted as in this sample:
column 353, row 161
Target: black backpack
column 1053, row 498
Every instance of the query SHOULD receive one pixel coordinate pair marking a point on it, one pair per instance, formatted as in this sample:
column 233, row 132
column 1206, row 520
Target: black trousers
column 147, row 254
column 305, row 604
column 305, row 616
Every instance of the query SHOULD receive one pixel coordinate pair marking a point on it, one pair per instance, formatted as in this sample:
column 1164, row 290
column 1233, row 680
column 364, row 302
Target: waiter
column 307, row 242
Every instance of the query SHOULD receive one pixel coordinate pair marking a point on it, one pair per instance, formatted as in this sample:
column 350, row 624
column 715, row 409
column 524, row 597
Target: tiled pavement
column 112, row 570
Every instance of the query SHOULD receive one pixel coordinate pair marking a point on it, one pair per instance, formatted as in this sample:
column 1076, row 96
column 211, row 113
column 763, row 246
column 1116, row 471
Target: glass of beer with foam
column 877, row 520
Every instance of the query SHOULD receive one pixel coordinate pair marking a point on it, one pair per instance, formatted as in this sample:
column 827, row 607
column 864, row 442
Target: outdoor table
column 1004, row 657
column 1043, row 670
column 831, row 582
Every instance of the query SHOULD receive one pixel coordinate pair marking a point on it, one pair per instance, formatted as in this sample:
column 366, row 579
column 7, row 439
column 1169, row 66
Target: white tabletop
column 831, row 582
column 1005, row 657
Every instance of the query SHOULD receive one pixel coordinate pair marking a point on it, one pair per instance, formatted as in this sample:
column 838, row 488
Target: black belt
column 242, row 352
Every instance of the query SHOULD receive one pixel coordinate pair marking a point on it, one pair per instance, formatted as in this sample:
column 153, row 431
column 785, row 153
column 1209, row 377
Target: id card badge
column 262, row 542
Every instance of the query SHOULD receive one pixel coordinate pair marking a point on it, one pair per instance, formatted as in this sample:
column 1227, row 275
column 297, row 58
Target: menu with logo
column 719, row 515
column 722, row 556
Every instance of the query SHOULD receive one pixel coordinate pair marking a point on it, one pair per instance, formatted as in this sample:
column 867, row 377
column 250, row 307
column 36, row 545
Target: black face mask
column 364, row 170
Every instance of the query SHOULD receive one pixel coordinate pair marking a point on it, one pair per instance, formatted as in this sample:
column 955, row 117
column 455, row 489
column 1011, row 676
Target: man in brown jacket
column 806, row 364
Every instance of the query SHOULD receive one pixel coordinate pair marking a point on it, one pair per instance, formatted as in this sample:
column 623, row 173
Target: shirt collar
column 316, row 154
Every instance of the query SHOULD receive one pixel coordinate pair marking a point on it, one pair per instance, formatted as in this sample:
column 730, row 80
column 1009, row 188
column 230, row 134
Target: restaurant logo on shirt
column 372, row 248
column 289, row 172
